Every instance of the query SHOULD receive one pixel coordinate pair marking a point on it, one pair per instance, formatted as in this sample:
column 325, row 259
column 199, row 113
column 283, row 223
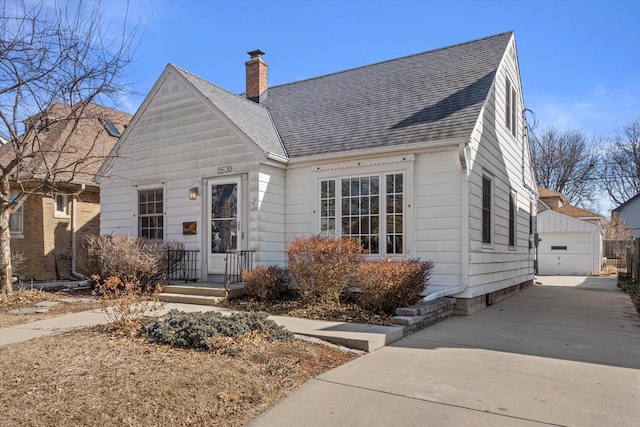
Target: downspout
column 74, row 236
column 464, row 228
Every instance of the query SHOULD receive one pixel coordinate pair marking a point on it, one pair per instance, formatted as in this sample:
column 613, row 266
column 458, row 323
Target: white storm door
column 224, row 228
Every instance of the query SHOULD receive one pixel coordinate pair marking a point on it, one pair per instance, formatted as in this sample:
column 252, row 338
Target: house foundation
column 469, row 306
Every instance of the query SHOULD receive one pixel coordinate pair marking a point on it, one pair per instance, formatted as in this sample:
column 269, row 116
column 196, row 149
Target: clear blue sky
column 579, row 59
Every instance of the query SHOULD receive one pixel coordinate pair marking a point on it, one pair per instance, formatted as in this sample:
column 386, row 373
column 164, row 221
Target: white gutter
column 464, row 229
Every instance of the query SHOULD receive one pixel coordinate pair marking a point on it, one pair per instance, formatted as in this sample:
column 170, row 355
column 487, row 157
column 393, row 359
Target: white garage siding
column 569, row 246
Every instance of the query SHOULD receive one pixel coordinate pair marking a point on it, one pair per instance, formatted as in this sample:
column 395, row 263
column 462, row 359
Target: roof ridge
column 391, row 60
column 239, row 96
column 570, row 206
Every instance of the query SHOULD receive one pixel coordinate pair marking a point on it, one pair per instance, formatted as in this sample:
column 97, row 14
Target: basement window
column 558, row 248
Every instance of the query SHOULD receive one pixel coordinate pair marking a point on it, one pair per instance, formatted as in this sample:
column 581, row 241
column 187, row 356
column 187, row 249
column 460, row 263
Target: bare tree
column 50, row 55
column 621, row 167
column 567, row 163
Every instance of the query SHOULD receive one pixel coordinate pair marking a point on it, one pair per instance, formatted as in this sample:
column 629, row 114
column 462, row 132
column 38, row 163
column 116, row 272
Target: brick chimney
column 256, row 77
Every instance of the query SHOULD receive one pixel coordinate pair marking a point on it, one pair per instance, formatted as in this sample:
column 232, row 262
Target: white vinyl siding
column 180, row 141
column 493, row 148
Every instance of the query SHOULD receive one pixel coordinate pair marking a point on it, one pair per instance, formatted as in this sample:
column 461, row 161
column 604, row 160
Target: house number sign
column 222, row 170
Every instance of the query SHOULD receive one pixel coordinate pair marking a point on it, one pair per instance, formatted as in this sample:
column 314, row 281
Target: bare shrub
column 126, row 303
column 267, row 283
column 130, row 259
column 386, row 284
column 323, row 269
column 17, row 261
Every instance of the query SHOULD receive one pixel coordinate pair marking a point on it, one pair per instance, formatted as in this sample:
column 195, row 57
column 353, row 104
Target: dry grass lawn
column 90, row 377
column 96, row 377
column 351, row 313
column 28, row 298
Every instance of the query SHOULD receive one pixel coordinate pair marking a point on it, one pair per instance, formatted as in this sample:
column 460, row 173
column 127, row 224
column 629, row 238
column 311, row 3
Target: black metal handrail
column 182, row 264
column 235, row 262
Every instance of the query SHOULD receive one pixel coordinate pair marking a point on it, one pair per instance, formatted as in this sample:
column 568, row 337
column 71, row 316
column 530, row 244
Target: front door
column 224, row 228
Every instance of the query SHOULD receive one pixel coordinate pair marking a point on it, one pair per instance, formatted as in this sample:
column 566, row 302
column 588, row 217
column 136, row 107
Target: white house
column 570, row 237
column 422, row 156
column 628, row 214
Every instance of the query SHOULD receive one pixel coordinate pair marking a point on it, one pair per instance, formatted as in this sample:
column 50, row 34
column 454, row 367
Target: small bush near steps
column 268, row 283
column 201, row 330
column 130, row 259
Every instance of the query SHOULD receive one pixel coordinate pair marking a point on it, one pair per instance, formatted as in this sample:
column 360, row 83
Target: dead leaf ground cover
column 91, row 377
column 332, row 312
column 18, row 300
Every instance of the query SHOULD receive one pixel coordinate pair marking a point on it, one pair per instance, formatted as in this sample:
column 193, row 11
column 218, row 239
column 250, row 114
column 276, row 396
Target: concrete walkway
column 566, row 352
column 352, row 335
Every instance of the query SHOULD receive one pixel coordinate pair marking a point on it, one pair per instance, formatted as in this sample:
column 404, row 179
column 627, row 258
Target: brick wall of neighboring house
column 57, row 243
column 88, row 211
column 47, row 241
column 30, row 244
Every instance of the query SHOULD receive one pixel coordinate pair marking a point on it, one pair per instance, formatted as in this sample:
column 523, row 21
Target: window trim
column 138, row 217
column 382, row 207
column 19, row 210
column 64, row 214
column 511, row 109
column 513, row 219
column 487, row 238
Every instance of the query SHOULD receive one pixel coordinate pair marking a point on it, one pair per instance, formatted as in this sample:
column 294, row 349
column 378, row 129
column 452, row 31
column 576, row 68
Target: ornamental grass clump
column 388, row 284
column 324, row 269
column 200, row 330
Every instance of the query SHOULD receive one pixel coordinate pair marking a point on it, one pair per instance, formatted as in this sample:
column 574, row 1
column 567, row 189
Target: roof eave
column 380, row 151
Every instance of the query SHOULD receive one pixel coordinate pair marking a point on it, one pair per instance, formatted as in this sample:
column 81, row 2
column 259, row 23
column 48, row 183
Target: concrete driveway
column 565, row 352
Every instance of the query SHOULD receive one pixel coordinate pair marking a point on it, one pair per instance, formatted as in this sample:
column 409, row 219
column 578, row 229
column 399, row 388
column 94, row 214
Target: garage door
column 565, row 254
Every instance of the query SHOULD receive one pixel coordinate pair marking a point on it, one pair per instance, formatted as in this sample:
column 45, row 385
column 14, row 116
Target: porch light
column 193, row 193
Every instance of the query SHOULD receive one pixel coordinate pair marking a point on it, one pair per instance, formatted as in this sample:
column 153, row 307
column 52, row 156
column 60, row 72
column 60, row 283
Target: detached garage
column 569, row 246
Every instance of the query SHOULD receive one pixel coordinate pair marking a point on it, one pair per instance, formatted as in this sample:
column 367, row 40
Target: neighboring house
column 570, row 237
column 628, row 214
column 422, row 156
column 48, row 229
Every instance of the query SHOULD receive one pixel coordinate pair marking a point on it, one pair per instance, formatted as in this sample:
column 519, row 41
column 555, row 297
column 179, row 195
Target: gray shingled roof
column 252, row 119
column 419, row 98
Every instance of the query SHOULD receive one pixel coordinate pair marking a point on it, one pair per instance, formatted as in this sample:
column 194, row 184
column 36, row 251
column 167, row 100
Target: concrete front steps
column 200, row 293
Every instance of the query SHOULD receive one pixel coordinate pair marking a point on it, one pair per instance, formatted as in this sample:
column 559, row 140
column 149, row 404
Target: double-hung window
column 151, row 214
column 15, row 219
column 369, row 209
column 486, row 209
column 62, row 206
column 510, row 110
column 512, row 219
